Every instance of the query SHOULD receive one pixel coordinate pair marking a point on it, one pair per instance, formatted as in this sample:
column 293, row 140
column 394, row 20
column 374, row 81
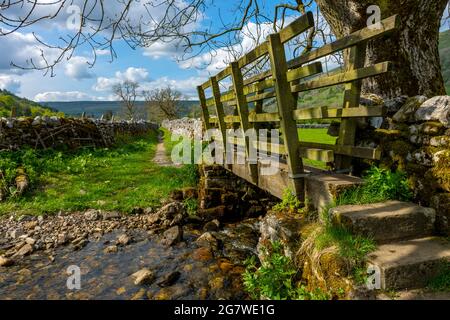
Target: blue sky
column 152, row 67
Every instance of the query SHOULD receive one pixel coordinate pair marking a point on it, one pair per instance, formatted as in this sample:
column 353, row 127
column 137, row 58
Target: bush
column 380, row 185
column 275, row 279
column 191, row 206
column 289, row 202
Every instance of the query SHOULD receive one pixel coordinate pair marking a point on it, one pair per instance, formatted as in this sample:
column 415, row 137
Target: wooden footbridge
column 284, row 81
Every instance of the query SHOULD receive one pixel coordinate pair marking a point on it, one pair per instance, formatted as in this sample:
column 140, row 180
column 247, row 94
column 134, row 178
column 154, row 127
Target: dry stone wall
column 415, row 138
column 187, row 127
column 54, row 132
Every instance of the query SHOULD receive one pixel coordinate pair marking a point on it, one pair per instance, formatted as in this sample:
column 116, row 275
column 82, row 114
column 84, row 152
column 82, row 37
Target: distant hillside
column 444, row 51
column 23, row 107
column 98, row 108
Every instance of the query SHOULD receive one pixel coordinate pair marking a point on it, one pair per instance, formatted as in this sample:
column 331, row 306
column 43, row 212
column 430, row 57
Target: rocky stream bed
column 146, row 255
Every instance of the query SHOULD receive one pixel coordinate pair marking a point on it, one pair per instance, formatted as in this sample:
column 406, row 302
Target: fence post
column 286, row 105
column 203, row 107
column 13, row 112
column 220, row 113
column 242, row 107
column 352, row 97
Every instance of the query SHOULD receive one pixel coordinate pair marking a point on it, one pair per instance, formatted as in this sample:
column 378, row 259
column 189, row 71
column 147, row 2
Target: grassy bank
column 119, row 178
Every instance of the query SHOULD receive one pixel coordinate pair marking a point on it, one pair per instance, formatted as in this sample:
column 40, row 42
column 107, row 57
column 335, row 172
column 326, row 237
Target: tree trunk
column 413, row 49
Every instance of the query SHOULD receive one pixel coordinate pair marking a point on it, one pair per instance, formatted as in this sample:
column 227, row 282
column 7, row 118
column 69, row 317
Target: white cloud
column 131, row 74
column 8, row 82
column 163, row 49
column 78, row 68
column 64, row 96
column 20, row 48
column 188, row 87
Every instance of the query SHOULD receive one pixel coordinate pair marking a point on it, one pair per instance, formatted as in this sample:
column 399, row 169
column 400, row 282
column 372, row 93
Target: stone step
column 323, row 189
column 410, row 264
column 387, row 221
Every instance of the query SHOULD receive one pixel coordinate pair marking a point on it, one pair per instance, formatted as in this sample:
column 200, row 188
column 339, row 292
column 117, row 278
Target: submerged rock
column 172, row 236
column 169, row 279
column 123, row 240
column 6, row 262
column 143, row 276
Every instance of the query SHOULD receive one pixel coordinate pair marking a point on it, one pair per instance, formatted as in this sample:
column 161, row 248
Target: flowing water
column 108, row 275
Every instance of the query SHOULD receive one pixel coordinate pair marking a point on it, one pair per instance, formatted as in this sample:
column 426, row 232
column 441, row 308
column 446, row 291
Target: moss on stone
column 441, row 171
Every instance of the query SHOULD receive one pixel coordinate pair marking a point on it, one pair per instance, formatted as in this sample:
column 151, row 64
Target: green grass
column 350, row 246
column 379, row 185
column 110, row 179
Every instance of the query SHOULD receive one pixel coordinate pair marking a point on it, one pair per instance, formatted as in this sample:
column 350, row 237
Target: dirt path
column 161, row 157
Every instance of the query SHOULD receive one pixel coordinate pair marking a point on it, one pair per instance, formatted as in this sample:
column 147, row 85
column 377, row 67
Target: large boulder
column 408, row 110
column 435, row 109
column 280, row 227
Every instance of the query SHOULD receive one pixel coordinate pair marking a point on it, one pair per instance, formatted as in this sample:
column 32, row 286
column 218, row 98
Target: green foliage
column 379, row 185
column 23, row 106
column 191, row 206
column 275, row 279
column 442, row 281
column 289, row 202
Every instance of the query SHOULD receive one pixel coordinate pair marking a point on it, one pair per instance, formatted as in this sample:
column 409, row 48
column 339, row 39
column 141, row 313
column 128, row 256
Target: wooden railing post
column 220, row 113
column 242, row 107
column 352, row 97
column 203, row 107
column 286, row 105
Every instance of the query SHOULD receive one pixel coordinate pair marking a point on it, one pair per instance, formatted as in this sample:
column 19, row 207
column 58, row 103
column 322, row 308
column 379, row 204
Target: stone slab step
column 387, row 221
column 323, row 189
column 410, row 264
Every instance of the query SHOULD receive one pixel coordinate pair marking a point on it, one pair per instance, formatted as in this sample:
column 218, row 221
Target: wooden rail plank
column 227, row 96
column 223, row 74
column 242, row 108
column 366, row 34
column 300, row 25
column 331, row 113
column 258, row 86
column 262, row 96
column 297, row 27
column 253, row 55
column 265, row 117
column 206, row 85
column 358, row 152
column 253, row 118
column 286, row 105
column 305, row 71
column 258, row 77
column 318, row 152
column 210, row 102
column 343, row 77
